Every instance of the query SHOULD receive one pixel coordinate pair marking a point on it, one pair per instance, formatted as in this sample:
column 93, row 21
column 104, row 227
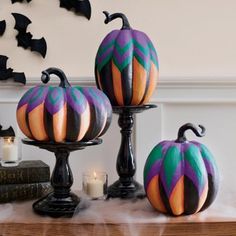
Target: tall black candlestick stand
column 61, row 201
column 126, row 186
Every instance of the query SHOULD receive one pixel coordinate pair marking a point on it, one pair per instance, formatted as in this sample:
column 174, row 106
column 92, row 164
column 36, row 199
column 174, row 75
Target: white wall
column 196, row 47
column 192, row 37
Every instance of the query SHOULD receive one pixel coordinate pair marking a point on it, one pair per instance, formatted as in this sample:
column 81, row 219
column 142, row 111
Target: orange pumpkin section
column 154, row 196
column 203, row 197
column 36, row 123
column 152, row 83
column 139, row 82
column 59, row 124
column 85, row 121
column 99, row 80
column 117, row 84
column 177, row 198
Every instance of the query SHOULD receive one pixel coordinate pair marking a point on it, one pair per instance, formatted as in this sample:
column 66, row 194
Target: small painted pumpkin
column 63, row 113
column 126, row 66
column 181, row 177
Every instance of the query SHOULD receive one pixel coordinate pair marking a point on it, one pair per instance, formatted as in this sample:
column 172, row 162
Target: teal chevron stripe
column 193, row 156
column 104, row 62
column 103, row 49
column 155, row 155
column 172, row 159
column 147, row 51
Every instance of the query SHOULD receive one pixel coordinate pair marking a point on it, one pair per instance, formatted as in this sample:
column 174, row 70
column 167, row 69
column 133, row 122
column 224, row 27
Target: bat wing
column 19, row 77
column 22, row 22
column 2, row 27
column 3, row 62
column 67, row 4
column 83, row 7
column 40, row 46
column 80, row 6
column 14, row 1
column 7, row 132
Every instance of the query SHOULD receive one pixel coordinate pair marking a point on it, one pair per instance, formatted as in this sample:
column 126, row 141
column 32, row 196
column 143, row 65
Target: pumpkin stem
column 181, row 133
column 112, row 17
column 58, row 72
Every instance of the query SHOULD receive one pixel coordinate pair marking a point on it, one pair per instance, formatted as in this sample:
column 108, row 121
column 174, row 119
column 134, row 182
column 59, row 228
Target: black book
column 16, row 192
column 25, row 172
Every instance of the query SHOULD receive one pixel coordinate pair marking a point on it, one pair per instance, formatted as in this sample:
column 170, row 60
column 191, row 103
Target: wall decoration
column 78, row 6
column 2, row 27
column 126, row 66
column 24, row 38
column 14, row 1
column 181, row 176
column 7, row 73
column 63, row 113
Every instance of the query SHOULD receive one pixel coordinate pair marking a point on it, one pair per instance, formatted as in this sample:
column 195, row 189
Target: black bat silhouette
column 7, row 73
column 7, row 132
column 79, row 6
column 14, row 1
column 2, row 27
column 24, row 38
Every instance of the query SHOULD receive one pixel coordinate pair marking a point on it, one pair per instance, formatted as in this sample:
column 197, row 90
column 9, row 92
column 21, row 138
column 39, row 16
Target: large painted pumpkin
column 63, row 113
column 181, row 177
column 126, row 66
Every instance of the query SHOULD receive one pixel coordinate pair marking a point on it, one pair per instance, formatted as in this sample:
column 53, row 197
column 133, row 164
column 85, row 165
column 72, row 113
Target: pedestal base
column 57, row 207
column 120, row 190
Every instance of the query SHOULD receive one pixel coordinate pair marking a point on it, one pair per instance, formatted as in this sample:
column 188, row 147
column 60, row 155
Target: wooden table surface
column 117, row 217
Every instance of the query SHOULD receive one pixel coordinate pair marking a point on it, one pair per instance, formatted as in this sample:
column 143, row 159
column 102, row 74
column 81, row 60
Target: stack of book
column 28, row 180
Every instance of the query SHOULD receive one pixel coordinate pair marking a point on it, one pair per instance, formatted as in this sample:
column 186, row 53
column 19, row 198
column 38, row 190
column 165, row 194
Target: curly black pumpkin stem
column 58, row 72
column 181, row 133
column 114, row 16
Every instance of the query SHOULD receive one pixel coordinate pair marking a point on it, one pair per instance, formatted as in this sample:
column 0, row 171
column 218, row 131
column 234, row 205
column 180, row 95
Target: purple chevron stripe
column 111, row 36
column 76, row 100
column 93, row 96
column 155, row 169
column 190, row 173
column 55, row 93
column 38, row 96
column 209, row 167
column 104, row 55
column 140, row 37
column 121, row 58
column 25, row 99
column 124, row 37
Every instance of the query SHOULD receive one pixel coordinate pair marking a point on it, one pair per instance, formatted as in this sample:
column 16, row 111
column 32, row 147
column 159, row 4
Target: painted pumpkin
column 181, row 177
column 63, row 113
column 126, row 65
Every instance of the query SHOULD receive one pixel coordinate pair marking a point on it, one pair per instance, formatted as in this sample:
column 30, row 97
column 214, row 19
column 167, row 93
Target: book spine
column 14, row 192
column 24, row 175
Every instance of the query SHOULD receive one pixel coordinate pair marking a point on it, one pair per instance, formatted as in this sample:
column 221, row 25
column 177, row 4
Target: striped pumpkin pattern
column 126, row 67
column 180, row 178
column 63, row 114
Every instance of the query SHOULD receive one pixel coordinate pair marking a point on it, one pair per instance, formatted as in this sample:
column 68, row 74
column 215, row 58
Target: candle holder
column 10, row 147
column 95, row 184
column 126, row 186
column 61, row 201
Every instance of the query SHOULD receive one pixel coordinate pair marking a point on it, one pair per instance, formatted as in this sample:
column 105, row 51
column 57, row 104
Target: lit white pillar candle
column 9, row 150
column 95, row 187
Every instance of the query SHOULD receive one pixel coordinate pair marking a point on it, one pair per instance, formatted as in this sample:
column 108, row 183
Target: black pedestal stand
column 126, row 186
column 61, row 202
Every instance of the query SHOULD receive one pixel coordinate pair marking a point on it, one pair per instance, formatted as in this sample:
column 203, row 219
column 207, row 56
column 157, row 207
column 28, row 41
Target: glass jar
column 10, row 151
column 95, row 184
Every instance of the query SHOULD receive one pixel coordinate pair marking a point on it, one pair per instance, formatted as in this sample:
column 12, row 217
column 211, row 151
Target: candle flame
column 8, row 140
column 95, row 175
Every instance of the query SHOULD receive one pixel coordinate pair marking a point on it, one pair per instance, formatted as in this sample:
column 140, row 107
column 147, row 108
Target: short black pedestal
column 61, row 202
column 126, row 186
